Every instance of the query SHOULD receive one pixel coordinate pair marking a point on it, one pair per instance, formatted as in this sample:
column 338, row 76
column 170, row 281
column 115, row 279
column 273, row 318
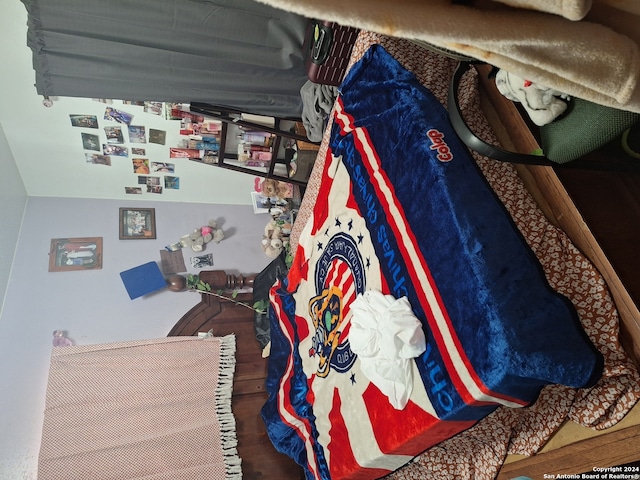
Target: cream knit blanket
column 153, row 409
column 584, row 50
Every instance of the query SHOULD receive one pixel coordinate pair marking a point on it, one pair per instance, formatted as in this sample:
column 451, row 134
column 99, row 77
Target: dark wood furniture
column 226, row 160
column 260, row 460
column 599, row 209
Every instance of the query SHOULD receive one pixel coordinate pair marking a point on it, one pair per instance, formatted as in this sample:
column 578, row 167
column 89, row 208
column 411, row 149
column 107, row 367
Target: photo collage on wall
column 118, row 136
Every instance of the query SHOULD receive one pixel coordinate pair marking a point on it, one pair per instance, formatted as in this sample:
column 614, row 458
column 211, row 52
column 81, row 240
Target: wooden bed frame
column 575, row 452
column 569, row 197
column 260, row 460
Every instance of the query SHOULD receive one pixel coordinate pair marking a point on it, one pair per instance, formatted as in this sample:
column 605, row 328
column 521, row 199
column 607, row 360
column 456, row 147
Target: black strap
column 471, row 140
column 621, row 165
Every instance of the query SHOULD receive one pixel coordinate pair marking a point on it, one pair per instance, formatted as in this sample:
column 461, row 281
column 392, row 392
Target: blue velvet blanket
column 403, row 209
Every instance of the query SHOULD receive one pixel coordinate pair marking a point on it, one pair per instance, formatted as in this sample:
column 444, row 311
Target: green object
column 194, row 283
column 584, row 127
column 538, row 151
column 631, row 141
column 261, row 306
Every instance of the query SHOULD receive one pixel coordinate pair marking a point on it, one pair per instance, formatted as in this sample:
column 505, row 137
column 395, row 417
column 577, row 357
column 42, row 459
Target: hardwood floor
column 609, row 201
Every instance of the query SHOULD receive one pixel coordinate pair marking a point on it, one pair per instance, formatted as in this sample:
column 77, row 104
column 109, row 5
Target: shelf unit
column 229, row 117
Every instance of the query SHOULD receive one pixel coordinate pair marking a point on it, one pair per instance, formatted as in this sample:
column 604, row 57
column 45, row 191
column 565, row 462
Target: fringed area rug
column 153, row 409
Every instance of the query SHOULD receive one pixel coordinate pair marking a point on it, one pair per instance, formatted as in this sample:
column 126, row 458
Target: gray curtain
column 234, row 53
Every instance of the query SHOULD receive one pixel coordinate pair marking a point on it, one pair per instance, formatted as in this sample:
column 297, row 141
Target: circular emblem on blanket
column 339, row 278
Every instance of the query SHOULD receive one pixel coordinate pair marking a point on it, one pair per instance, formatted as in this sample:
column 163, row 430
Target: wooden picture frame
column 137, row 223
column 80, row 253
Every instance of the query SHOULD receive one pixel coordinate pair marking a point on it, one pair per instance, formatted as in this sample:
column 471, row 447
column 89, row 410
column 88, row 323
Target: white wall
column 13, row 198
column 49, row 151
column 93, row 306
column 42, row 166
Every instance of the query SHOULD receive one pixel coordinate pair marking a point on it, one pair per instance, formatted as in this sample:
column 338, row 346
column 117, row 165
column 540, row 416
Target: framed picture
column 137, row 223
column 67, row 254
column 259, row 202
column 262, row 204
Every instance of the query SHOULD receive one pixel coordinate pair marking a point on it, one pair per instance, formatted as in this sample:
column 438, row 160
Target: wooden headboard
column 260, row 460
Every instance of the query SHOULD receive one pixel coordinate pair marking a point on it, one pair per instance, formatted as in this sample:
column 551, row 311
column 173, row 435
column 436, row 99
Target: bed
column 306, row 415
column 475, row 442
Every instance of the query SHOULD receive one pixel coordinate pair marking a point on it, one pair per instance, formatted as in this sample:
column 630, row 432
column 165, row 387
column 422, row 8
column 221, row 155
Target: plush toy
column 273, row 240
column 218, row 233
column 542, row 104
column 197, row 239
column 273, row 188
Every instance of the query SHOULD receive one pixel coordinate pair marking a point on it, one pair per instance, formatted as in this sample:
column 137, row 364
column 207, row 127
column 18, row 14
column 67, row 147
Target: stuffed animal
column 218, row 233
column 273, row 240
column 197, row 239
column 542, row 104
column 273, row 188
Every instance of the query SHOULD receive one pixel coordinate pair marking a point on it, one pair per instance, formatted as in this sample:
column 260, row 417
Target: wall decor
column 260, row 203
column 154, row 108
column 90, row 142
column 263, row 204
column 97, row 159
column 154, row 185
column 162, row 167
column 137, row 223
column 157, row 136
column 172, row 261
column 114, row 135
column 117, row 115
column 202, row 261
column 116, row 150
column 172, row 182
column 137, row 134
column 85, row 121
column 178, row 152
column 67, row 254
column 140, row 165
